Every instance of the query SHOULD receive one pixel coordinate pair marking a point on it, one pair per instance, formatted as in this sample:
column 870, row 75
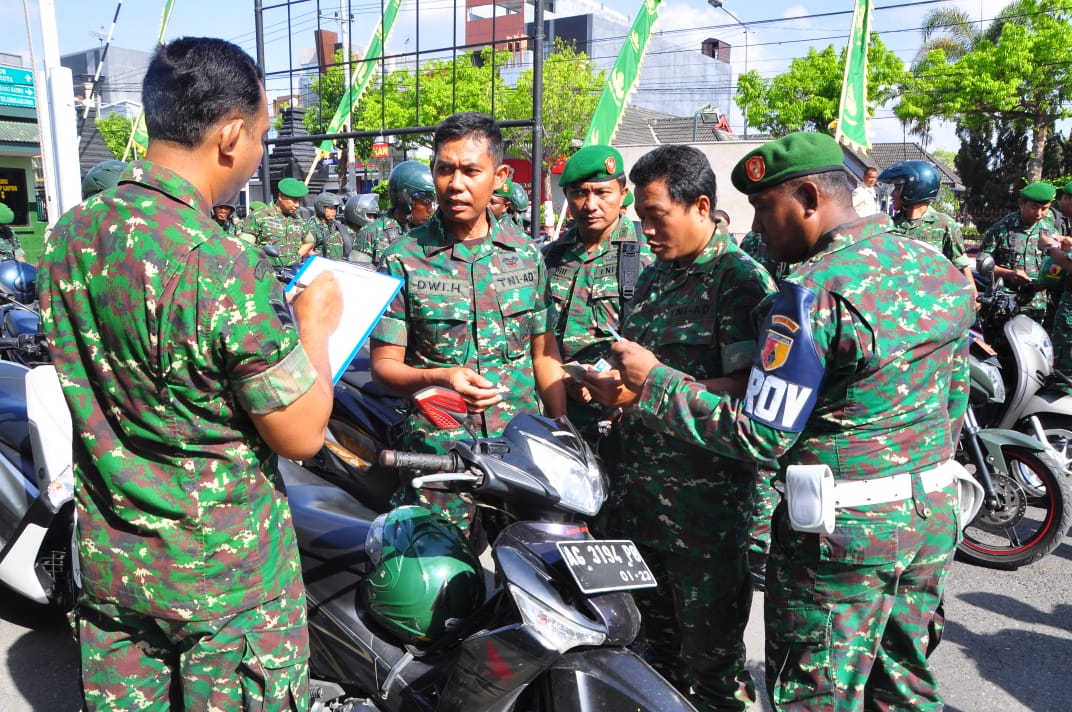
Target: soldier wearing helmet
column 280, row 223
column 360, row 210
column 510, row 203
column 102, row 176
column 413, row 200
column 224, row 215
column 10, row 249
column 327, row 236
column 915, row 185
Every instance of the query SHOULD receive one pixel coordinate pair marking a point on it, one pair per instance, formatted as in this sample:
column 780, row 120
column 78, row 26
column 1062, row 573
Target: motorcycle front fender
column 610, row 679
column 994, row 439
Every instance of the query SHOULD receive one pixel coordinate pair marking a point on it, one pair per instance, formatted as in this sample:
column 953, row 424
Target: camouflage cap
column 594, row 164
column 1067, row 188
column 797, row 154
column 7, row 215
column 1038, row 192
column 293, row 188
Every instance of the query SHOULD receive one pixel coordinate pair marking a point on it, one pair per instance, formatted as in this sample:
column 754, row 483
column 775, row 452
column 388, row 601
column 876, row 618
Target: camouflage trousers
column 693, row 624
column 253, row 660
column 852, row 617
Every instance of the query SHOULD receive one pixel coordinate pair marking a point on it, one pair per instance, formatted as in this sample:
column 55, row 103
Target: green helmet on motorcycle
column 361, row 209
column 410, row 181
column 326, row 200
column 102, row 176
column 426, row 579
column 920, row 179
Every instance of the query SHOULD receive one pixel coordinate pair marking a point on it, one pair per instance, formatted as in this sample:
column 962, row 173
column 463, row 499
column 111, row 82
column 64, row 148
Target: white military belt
column 894, row 488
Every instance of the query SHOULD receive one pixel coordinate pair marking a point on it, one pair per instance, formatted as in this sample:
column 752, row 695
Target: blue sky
column 781, row 30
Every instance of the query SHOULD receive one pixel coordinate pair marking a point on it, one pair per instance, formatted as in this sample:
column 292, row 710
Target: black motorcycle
column 403, row 615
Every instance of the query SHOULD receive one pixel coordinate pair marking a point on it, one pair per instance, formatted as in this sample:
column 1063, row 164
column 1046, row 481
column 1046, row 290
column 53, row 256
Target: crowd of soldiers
column 762, row 399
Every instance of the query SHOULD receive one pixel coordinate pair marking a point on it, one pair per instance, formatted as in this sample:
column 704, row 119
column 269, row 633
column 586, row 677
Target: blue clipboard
column 366, row 294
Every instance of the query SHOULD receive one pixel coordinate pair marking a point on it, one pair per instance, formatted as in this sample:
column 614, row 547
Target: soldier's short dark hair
column 193, row 83
column 836, row 185
column 471, row 124
column 686, row 170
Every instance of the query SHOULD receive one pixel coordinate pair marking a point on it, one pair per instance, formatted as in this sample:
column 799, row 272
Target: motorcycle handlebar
column 421, row 461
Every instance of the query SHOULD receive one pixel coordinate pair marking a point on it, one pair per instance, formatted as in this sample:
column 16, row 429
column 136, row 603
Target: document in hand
column 365, row 297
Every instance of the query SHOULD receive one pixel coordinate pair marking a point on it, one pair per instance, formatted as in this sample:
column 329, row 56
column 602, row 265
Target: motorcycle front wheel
column 1034, row 513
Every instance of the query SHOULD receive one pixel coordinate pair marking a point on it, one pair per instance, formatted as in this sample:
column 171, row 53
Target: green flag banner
column 623, row 77
column 139, row 137
column 852, row 122
column 363, row 72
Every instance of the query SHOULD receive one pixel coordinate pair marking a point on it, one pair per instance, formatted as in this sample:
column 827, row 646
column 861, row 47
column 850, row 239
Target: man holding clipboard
column 473, row 309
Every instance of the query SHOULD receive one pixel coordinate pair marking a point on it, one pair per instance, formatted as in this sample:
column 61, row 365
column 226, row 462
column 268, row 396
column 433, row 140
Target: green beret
column 1068, row 187
column 593, row 164
column 255, row 205
column 7, row 215
column 1038, row 192
column 293, row 188
column 504, row 192
column 791, row 156
column 628, row 200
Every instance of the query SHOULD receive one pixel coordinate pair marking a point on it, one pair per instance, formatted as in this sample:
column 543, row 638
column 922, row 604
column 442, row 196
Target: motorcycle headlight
column 555, row 630
column 994, row 373
column 581, row 486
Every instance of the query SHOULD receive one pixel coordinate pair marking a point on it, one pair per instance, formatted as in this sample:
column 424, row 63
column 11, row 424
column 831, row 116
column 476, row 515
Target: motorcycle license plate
column 599, row 566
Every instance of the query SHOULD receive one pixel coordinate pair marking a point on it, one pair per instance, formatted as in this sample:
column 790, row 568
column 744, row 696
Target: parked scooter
column 401, row 616
column 1037, row 399
column 36, row 474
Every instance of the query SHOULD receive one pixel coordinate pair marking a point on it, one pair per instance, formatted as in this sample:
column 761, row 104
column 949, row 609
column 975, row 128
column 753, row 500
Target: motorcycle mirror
column 984, row 263
column 271, row 251
column 443, row 407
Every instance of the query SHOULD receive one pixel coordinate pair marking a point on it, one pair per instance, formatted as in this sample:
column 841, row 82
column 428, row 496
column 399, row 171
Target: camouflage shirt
column 475, row 304
column 231, row 226
column 862, row 364
column 697, row 319
column 1015, row 246
column 585, row 290
column 269, row 226
column 166, row 336
column 10, row 249
column 374, row 239
column 331, row 239
column 937, row 230
column 752, row 243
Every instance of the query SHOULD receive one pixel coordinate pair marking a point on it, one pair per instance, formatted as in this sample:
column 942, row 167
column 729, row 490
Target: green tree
column 571, row 89
column 806, row 97
column 1015, row 76
column 115, row 130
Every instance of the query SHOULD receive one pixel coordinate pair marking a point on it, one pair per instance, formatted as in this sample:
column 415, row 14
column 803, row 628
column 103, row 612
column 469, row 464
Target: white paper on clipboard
column 366, row 294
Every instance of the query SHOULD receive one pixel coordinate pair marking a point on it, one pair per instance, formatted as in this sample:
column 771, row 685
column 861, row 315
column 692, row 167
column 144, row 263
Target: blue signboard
column 17, row 87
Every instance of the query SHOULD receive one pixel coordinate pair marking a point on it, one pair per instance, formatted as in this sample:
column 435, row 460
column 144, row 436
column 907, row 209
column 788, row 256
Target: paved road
column 1007, row 646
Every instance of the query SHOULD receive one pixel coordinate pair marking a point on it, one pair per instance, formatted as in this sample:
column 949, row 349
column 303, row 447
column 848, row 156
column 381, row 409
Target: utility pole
column 351, row 159
column 59, row 138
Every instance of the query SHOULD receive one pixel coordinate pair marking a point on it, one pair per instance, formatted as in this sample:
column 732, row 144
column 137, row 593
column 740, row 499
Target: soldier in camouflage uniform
column 584, row 266
column 473, row 309
column 10, row 249
column 183, row 371
column 915, row 185
column 224, row 215
column 412, row 196
column 842, row 380
column 328, row 236
column 280, row 223
column 1013, row 241
column 752, row 243
column 686, row 509
column 1056, row 247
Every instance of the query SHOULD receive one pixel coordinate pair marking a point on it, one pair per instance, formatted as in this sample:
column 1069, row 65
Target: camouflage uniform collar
column 850, row 233
column 163, row 179
column 433, row 237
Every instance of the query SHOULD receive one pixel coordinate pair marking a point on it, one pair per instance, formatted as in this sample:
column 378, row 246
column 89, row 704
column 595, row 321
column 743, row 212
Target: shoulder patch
column 788, row 372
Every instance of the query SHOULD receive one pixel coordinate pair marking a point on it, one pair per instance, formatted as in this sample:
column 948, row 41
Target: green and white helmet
column 410, row 181
column 518, row 196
